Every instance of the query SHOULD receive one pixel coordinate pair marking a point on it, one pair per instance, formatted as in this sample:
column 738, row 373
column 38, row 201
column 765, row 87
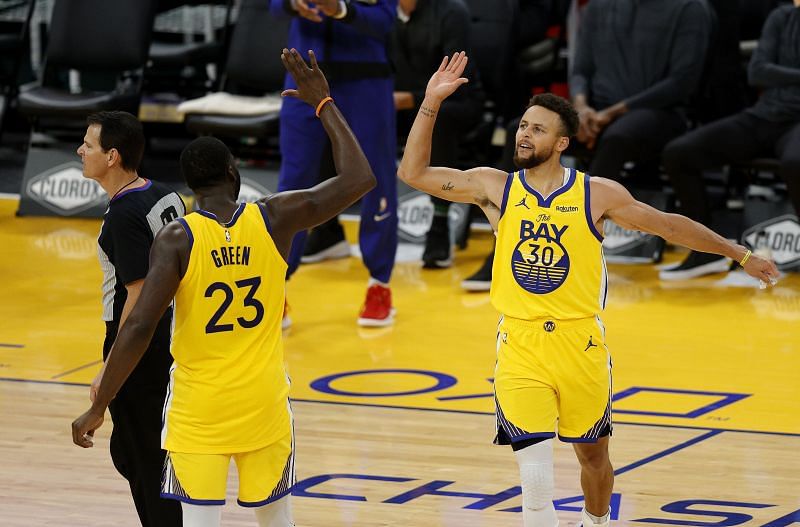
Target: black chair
column 170, row 60
column 12, row 44
column 253, row 67
column 107, row 43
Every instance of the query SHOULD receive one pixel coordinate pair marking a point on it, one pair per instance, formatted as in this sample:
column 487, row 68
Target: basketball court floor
column 394, row 425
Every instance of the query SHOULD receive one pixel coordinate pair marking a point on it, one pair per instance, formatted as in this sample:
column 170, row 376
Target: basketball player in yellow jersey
column 225, row 266
column 553, row 372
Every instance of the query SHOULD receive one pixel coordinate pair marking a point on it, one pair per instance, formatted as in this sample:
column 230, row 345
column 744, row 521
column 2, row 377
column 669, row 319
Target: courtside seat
column 233, row 125
column 164, row 53
column 46, row 101
column 253, row 67
column 108, row 38
column 13, row 44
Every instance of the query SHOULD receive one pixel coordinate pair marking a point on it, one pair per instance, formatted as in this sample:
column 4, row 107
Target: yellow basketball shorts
column 265, row 475
column 552, row 373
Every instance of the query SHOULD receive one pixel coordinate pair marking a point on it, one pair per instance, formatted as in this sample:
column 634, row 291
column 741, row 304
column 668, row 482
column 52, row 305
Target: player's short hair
column 205, row 162
column 123, row 132
column 561, row 106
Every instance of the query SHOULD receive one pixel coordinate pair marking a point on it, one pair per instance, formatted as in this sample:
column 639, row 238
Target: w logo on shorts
column 540, row 263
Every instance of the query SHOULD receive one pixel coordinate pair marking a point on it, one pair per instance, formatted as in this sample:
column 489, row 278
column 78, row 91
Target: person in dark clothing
column 770, row 127
column 350, row 37
column 428, row 30
column 723, row 86
column 636, row 66
column 534, row 18
column 754, row 14
column 111, row 152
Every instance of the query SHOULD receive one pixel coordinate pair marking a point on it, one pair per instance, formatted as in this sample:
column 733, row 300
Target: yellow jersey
column 548, row 257
column 228, row 388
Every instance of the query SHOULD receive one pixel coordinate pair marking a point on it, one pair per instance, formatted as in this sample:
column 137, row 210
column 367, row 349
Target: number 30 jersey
column 228, row 387
column 548, row 257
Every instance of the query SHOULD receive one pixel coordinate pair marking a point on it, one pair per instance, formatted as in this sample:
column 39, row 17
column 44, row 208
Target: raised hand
column 448, row 77
column 312, row 86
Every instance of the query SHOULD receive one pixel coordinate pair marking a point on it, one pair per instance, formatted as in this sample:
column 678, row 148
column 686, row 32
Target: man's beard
column 534, row 161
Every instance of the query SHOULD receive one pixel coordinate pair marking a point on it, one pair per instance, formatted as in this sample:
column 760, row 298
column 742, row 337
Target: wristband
column 746, row 257
column 322, row 103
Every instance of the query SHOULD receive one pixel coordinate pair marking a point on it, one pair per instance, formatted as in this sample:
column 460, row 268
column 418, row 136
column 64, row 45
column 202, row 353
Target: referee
column 111, row 152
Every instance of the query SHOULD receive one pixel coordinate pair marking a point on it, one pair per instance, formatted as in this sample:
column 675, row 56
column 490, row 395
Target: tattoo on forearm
column 449, row 186
column 427, row 112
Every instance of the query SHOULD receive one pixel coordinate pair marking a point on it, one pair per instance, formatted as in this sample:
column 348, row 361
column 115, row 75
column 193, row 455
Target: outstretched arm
column 168, row 260
column 611, row 200
column 482, row 186
column 293, row 211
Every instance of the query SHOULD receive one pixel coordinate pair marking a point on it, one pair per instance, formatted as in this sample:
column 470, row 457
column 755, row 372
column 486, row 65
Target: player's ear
column 562, row 143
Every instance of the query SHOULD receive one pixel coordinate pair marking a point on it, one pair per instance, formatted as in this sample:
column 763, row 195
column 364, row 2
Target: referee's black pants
column 137, row 455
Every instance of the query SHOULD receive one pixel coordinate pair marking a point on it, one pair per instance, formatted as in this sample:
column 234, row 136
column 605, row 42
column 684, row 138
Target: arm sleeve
column 374, row 20
column 687, row 60
column 583, row 68
column 281, row 8
column 130, row 239
column 764, row 70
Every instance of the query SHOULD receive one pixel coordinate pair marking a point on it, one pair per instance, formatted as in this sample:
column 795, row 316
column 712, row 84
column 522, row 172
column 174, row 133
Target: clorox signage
column 64, row 190
column 250, row 191
column 622, row 245
column 616, row 237
column 414, row 214
column 780, row 237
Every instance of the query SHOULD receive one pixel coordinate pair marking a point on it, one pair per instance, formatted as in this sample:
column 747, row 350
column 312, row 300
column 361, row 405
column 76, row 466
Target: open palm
column 448, row 77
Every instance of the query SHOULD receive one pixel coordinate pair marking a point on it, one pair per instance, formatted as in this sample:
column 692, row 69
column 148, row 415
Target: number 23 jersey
column 228, row 388
column 548, row 254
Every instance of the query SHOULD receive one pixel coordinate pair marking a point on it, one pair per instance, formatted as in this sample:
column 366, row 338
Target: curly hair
column 561, row 106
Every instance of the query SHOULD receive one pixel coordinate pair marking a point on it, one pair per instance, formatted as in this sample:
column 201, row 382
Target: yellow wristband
column 746, row 257
column 322, row 103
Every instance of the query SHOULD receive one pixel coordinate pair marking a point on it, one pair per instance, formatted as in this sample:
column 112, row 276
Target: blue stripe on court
column 444, row 410
column 664, row 453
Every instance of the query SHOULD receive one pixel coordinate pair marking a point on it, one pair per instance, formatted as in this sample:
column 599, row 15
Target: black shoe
column 482, row 280
column 326, row 242
column 438, row 249
column 695, row 265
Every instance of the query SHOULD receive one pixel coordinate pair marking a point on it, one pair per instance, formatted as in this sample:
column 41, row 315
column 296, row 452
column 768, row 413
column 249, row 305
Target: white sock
column 589, row 519
column 275, row 514
column 201, row 515
column 373, row 281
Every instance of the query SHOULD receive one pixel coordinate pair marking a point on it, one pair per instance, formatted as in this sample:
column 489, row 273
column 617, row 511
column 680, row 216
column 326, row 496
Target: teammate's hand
column 312, row 86
column 763, row 269
column 303, row 10
column 84, row 426
column 448, row 77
